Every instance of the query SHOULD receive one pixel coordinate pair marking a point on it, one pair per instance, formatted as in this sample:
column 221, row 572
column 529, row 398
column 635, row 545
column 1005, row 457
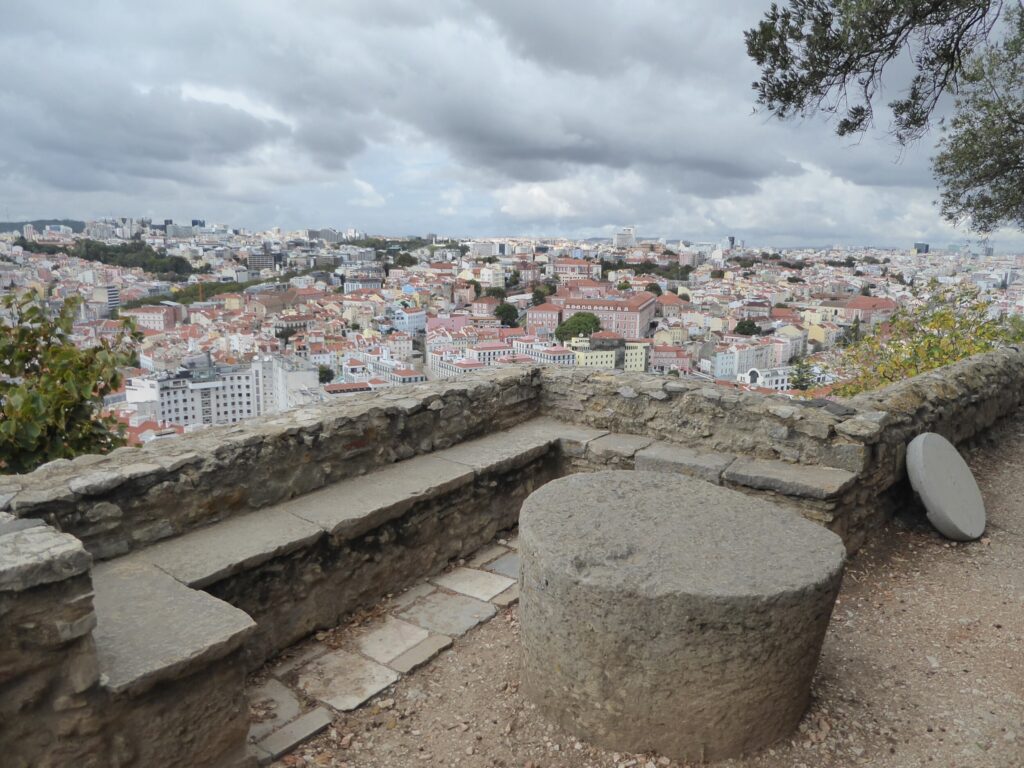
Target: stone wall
column 48, row 669
column 705, row 417
column 866, row 435
column 135, row 496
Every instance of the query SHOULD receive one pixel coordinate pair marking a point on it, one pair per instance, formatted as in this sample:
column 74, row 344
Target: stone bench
column 306, row 563
column 661, row 612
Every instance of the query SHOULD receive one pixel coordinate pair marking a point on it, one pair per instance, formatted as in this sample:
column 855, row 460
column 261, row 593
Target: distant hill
column 10, row 226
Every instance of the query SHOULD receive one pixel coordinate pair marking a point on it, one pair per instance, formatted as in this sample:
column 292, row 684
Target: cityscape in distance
column 237, row 324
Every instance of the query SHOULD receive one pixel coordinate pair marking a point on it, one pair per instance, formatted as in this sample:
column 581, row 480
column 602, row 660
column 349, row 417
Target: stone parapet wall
column 48, row 668
column 135, row 496
column 55, row 708
column 706, row 417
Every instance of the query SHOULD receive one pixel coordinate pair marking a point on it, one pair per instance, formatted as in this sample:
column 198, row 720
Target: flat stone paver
column 448, row 614
column 486, row 555
column 279, row 704
column 283, row 667
column 391, row 638
column 284, row 740
column 473, row 583
column 420, row 654
column 508, row 597
column 344, row 680
column 506, row 565
column 412, row 594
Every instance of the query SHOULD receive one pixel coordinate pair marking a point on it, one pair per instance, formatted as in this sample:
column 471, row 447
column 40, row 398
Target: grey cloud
column 498, row 94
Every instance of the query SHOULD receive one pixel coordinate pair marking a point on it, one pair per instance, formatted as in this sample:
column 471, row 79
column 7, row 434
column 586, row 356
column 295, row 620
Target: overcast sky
column 468, row 117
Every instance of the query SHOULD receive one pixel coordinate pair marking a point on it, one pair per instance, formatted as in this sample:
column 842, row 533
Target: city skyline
column 462, row 118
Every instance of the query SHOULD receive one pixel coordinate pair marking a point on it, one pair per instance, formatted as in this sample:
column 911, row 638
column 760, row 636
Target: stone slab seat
column 351, row 508
column 152, row 628
column 804, row 480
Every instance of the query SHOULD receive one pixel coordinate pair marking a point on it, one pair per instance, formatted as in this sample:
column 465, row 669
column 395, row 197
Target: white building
column 624, row 238
column 202, row 393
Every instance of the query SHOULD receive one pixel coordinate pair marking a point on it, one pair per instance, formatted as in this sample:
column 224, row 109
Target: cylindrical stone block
column 662, row 613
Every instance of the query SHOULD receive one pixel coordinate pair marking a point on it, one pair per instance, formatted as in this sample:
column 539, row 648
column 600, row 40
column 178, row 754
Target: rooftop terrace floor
column 923, row 665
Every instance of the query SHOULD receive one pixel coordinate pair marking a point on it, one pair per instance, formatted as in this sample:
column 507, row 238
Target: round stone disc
column 946, row 486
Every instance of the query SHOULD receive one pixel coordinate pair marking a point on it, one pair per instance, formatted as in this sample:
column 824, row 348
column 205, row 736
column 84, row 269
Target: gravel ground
column 923, row 665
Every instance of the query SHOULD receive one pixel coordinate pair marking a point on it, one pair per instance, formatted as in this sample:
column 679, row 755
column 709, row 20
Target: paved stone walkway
column 340, row 672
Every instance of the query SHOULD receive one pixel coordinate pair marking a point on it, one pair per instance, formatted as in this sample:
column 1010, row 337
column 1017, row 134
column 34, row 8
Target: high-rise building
column 624, row 238
column 920, row 247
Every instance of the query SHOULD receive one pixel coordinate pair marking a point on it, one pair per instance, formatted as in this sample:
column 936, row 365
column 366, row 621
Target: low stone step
column 666, row 457
column 150, row 627
column 804, row 480
column 350, row 508
column 506, row 450
column 207, row 555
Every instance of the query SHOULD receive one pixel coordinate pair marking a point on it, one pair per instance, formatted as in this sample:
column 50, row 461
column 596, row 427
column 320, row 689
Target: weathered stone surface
column 571, row 438
column 473, row 583
column 389, row 639
column 277, row 704
column 344, row 680
column 860, row 429
column 412, row 594
column 420, row 654
column 508, row 597
column 616, row 447
column 790, row 479
column 290, row 736
column 506, row 565
column 39, row 555
column 666, row 457
column 946, row 486
column 448, row 614
column 150, row 627
column 485, row 555
column 209, row 554
column 623, row 570
column 501, row 451
column 353, row 507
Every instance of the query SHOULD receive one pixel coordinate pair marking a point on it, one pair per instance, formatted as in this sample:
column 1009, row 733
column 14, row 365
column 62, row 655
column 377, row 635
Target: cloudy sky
column 468, row 117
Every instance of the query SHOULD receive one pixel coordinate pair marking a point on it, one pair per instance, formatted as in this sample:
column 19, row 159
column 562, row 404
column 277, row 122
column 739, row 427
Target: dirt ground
column 923, row 665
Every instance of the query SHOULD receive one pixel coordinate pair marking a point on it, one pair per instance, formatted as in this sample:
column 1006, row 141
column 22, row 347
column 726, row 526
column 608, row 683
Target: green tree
column 830, row 55
column 285, row 334
column 684, row 296
column 865, row 290
column 981, row 151
column 747, row 327
column 404, row 259
column 580, row 324
column 802, row 376
column 951, row 323
column 717, row 274
column 325, row 373
column 539, row 297
column 498, row 293
column 508, row 314
column 624, row 285
column 51, row 392
column 477, row 288
column 653, row 288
